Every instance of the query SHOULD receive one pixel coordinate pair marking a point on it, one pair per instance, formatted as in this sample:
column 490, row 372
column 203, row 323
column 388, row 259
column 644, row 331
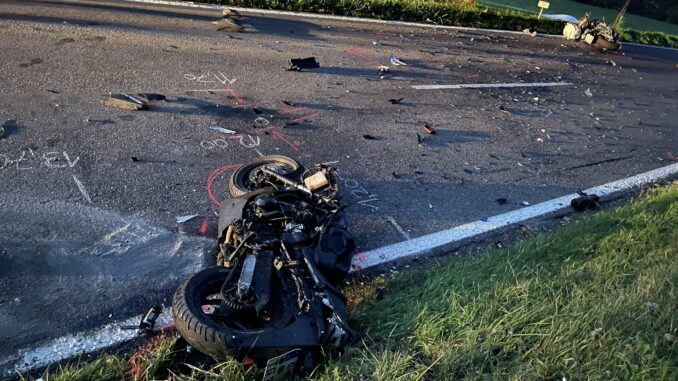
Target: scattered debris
column 503, row 109
column 182, row 219
column 420, row 138
column 395, row 101
column 525, row 203
column 597, row 333
column 231, row 14
column 395, row 61
column 652, row 305
column 370, row 137
column 134, row 102
column 501, row 201
column 531, row 33
column 257, row 110
column 135, row 159
column 584, row 201
column 261, row 122
column 229, row 20
column 216, row 127
column 593, row 32
column 395, row 175
column 429, row 130
column 289, row 103
column 588, row 93
column 298, row 64
column 611, row 63
column 383, row 69
column 670, row 338
column 148, row 321
column 54, row 91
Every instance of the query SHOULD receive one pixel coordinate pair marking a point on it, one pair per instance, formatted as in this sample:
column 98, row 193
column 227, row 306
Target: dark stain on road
column 32, row 62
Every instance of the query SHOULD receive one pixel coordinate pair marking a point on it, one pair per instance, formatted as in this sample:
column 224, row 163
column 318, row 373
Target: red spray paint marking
column 239, row 100
column 302, row 118
column 280, row 136
column 213, row 176
column 375, row 62
column 357, row 51
column 203, row 227
column 472, row 76
column 292, row 110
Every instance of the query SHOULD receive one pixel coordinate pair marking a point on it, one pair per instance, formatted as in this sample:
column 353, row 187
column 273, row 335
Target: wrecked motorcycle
column 284, row 243
column 592, row 31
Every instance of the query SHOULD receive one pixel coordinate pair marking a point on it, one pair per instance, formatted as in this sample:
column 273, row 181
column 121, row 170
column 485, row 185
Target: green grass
column 594, row 299
column 570, row 7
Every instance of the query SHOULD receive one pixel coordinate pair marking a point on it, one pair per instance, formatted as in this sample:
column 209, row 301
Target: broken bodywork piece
column 139, row 101
column 584, row 201
column 593, row 32
column 298, row 64
column 284, row 245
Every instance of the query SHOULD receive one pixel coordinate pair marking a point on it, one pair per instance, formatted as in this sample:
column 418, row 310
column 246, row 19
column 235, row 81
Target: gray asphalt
column 89, row 235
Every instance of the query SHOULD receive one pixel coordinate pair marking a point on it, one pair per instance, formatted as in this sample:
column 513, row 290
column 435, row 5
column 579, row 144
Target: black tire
column 604, row 44
column 239, row 183
column 204, row 333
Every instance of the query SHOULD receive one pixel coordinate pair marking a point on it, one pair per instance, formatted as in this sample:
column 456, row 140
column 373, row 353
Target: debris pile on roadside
column 592, row 31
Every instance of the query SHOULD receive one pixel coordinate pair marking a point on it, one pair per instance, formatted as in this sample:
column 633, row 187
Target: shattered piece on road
column 226, row 23
column 429, row 130
column 584, row 201
column 216, row 127
column 503, row 109
column 531, row 33
column 525, row 203
column 383, row 69
column 395, row 61
column 151, row 98
column 572, row 31
column 588, row 93
column 147, row 322
column 135, row 159
column 289, row 103
column 395, row 101
column 257, row 110
column 125, row 101
column 501, row 201
column 298, row 64
column 231, row 14
column 611, row 63
column 395, row 175
column 370, row 137
column 316, row 181
column 182, row 219
column 261, row 122
column 420, row 138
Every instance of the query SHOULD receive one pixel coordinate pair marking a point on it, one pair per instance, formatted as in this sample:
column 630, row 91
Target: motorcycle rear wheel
column 240, row 182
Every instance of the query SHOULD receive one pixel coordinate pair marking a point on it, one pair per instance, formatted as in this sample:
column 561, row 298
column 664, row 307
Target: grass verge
column 442, row 12
column 595, row 299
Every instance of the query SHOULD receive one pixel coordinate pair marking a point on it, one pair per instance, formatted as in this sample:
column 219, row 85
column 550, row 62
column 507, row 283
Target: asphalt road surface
column 89, row 194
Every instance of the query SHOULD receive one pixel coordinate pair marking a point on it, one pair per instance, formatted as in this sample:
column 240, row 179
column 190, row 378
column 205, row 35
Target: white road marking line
column 80, row 343
column 489, row 85
column 442, row 240
column 82, row 189
column 74, row 345
column 399, row 228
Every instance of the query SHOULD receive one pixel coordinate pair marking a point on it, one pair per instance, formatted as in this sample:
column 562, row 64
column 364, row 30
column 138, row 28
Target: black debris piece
column 289, row 103
column 257, row 110
column 429, row 130
column 135, row 159
column 503, row 109
column 298, row 64
column 395, row 101
column 370, row 137
column 151, row 98
column 468, row 171
column 584, row 201
column 8, row 127
column 395, row 175
column 418, row 172
column 148, row 321
column 501, row 201
column 54, row 91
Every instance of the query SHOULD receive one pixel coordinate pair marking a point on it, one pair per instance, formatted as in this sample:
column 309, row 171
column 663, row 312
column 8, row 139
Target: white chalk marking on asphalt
column 427, row 243
column 258, row 153
column 80, row 343
column 398, row 227
column 489, row 85
column 74, row 345
column 82, row 189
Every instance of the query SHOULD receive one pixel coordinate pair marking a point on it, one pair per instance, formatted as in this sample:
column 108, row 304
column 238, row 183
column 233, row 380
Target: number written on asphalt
column 210, row 78
column 365, row 197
